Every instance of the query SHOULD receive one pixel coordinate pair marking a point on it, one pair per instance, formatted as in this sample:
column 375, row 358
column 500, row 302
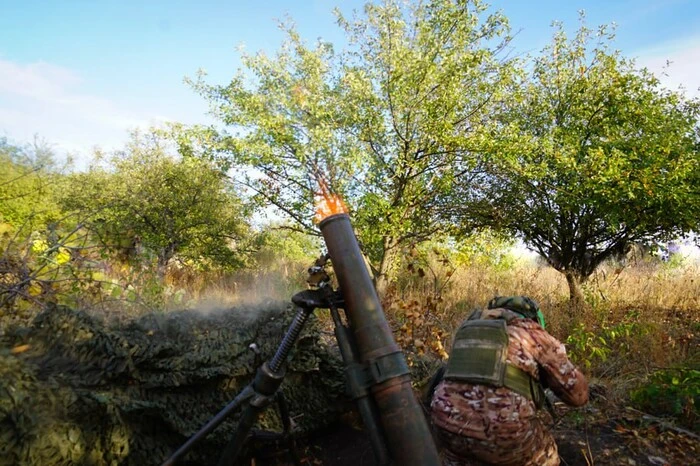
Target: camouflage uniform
column 498, row 426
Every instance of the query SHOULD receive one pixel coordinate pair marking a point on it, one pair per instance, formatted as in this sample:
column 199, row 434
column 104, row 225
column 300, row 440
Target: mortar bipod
column 253, row 399
column 263, row 390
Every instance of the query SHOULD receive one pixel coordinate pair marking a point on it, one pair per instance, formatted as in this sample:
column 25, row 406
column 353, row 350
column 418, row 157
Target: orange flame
column 327, row 203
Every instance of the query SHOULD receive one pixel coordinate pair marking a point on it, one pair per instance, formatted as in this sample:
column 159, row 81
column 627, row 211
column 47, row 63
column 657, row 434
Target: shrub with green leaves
column 147, row 199
column 671, row 391
column 594, row 349
column 486, row 248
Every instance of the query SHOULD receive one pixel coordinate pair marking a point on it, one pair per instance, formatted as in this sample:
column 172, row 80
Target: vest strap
column 519, row 381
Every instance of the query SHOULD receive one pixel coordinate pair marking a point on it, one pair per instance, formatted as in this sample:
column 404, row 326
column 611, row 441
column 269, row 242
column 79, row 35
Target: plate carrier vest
column 479, row 354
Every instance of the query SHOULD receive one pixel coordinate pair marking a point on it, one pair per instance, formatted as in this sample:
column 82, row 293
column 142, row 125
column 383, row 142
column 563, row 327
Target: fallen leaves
column 20, row 349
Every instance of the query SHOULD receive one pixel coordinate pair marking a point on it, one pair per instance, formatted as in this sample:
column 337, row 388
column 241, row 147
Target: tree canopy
column 591, row 155
column 145, row 197
column 385, row 123
column 29, row 185
column 425, row 126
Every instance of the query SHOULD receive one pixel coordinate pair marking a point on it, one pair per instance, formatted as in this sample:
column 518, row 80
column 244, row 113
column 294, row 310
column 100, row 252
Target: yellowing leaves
column 62, row 257
column 6, row 228
column 34, row 289
column 20, row 349
column 419, row 333
column 39, row 246
column 300, row 95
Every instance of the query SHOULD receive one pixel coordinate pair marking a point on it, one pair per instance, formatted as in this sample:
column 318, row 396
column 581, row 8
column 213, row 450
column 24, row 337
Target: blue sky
column 81, row 73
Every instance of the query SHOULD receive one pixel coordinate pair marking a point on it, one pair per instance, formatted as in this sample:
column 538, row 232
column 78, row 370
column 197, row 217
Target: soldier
column 484, row 405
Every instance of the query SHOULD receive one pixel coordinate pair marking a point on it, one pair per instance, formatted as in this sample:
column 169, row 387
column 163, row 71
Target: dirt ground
column 598, row 434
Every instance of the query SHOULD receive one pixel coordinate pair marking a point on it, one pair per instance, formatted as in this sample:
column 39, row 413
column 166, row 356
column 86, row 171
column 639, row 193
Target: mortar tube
column 406, row 429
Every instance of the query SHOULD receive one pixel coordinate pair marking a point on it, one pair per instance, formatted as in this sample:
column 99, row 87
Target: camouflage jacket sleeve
column 556, row 371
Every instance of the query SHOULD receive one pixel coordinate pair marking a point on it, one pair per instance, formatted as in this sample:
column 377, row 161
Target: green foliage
column 106, row 236
column 145, row 199
column 585, row 347
column 593, row 348
column 287, row 124
column 675, row 263
column 63, row 266
column 591, row 155
column 37, row 239
column 42, row 268
column 418, row 82
column 671, row 391
column 486, row 248
column 388, row 123
column 29, row 185
column 282, row 243
column 427, row 266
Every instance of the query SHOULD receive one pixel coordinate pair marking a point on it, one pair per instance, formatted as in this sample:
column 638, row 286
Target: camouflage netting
column 75, row 391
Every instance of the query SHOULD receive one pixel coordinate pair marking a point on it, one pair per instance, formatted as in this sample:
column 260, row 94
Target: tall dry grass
column 658, row 292
column 278, row 281
column 634, row 320
column 659, row 304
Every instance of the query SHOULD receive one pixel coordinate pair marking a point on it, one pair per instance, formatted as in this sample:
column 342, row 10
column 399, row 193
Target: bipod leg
column 268, row 379
column 287, row 425
column 358, row 391
column 234, row 447
column 245, row 424
column 211, row 425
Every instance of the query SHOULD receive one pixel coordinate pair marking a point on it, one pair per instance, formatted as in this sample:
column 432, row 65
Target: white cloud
column 45, row 99
column 37, row 80
column 684, row 67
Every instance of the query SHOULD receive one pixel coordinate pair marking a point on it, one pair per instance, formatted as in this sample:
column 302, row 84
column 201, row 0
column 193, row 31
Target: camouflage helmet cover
column 523, row 305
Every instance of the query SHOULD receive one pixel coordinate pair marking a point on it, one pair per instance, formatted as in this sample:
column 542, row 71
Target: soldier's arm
column 558, row 372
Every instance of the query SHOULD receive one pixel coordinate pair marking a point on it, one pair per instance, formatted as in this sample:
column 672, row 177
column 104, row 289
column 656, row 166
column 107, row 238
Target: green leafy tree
column 592, row 155
column 279, row 244
column 420, row 82
column 286, row 130
column 29, row 184
column 384, row 123
column 485, row 248
column 37, row 238
column 145, row 197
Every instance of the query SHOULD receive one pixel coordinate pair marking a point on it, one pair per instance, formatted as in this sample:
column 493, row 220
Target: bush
column 596, row 349
column 674, row 392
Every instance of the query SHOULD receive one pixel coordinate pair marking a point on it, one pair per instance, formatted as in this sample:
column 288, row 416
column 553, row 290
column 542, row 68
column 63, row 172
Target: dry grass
column 648, row 316
column 635, row 319
column 245, row 287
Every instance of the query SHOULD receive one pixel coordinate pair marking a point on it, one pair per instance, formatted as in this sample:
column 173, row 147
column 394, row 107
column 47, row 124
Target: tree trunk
column 164, row 257
column 386, row 264
column 574, row 282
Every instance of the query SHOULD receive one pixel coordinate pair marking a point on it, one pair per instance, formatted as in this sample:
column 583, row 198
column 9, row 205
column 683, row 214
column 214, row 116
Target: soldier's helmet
column 523, row 305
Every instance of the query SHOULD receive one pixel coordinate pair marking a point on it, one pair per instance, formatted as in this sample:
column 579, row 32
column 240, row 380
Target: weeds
column 674, row 392
column 602, row 347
